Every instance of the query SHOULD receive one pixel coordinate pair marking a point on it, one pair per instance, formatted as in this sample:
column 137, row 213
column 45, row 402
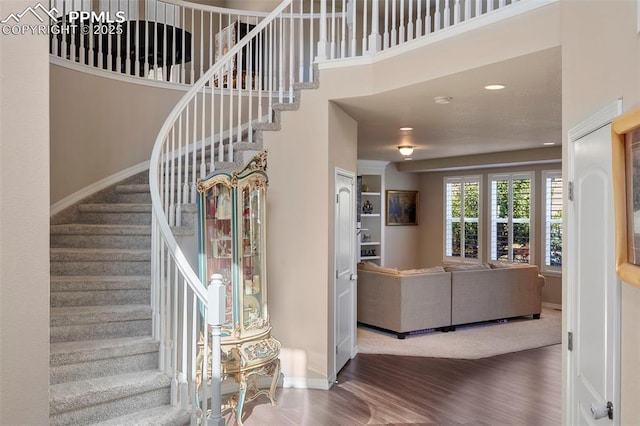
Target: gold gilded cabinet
column 231, row 209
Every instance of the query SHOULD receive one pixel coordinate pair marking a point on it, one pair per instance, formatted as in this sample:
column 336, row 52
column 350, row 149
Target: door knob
column 600, row 410
column 353, row 277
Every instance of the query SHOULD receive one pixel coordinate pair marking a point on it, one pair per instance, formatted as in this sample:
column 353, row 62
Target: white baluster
column 419, row 22
column 332, row 42
column 215, row 320
column 410, row 30
column 365, row 27
column 427, row 19
column 311, row 35
column 456, row 12
column 447, row 14
column 323, row 46
column 194, row 351
column 401, row 29
column 301, row 42
column 174, row 336
column 437, row 16
column 394, row 33
column 467, row 10
column 375, row 40
column 478, row 8
column 179, row 174
column 281, row 73
column 489, row 6
column 239, row 84
column 502, row 3
column 172, row 207
column 385, row 37
column 291, row 54
column 343, row 41
column 354, row 26
column 193, row 52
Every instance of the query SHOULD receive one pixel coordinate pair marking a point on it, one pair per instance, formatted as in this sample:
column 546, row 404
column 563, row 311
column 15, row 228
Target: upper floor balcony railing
column 176, row 41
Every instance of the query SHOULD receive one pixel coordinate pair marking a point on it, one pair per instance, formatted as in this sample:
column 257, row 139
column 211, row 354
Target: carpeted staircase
column 104, row 362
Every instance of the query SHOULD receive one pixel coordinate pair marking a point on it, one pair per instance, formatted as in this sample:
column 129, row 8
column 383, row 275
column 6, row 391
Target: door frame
column 597, row 120
column 354, row 344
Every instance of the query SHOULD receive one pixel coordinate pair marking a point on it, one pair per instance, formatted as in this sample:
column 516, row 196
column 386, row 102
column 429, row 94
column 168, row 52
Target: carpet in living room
column 471, row 341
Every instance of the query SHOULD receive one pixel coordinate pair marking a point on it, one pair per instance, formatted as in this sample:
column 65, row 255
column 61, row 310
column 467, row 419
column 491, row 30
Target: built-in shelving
column 371, row 213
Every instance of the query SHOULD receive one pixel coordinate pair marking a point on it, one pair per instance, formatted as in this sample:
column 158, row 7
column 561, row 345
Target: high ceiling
column 526, row 114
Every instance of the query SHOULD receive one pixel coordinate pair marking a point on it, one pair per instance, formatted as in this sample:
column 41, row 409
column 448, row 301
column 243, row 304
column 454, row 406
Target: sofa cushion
column 502, row 265
column 466, row 267
column 367, row 266
column 431, row 270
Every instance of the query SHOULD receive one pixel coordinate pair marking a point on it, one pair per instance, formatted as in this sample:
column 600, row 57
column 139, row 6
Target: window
column 511, row 217
column 462, row 217
column 552, row 220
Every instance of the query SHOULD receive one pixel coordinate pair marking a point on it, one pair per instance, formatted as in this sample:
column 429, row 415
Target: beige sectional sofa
column 443, row 297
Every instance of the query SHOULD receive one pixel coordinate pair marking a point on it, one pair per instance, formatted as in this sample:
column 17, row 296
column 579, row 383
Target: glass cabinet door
column 252, row 254
column 218, row 242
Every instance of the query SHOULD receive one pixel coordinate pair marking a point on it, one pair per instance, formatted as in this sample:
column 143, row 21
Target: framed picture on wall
column 402, row 207
column 626, row 192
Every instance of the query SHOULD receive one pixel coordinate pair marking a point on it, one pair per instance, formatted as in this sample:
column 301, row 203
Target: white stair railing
column 177, row 41
column 200, row 134
column 170, row 40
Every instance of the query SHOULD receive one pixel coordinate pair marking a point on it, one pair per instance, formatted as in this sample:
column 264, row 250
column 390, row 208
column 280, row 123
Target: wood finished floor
column 521, row 388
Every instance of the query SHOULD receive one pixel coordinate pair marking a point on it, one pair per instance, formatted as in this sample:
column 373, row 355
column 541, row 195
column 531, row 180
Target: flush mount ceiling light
column 406, row 129
column 549, row 143
column 442, row 100
column 406, row 149
column 495, row 87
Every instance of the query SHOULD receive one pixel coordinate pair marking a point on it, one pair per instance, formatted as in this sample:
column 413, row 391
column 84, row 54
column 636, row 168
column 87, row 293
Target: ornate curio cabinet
column 232, row 224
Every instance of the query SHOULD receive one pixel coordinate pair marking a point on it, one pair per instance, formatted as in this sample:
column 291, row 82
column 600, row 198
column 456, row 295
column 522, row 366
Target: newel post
column 215, row 319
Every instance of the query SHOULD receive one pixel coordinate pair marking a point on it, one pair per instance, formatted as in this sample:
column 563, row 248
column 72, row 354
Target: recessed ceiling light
column 549, row 143
column 494, row 87
column 406, row 129
column 442, row 100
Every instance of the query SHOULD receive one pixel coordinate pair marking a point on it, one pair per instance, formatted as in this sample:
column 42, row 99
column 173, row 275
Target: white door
column 345, row 264
column 593, row 287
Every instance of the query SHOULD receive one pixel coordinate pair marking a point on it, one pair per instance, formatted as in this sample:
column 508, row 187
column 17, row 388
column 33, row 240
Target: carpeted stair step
column 112, row 213
column 90, row 401
column 133, row 193
column 158, row 416
column 99, row 322
column 84, row 261
column 81, row 360
column 99, row 290
column 84, row 235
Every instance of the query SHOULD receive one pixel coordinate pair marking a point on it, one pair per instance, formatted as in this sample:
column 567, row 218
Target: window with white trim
column 552, row 180
column 511, row 210
column 462, row 218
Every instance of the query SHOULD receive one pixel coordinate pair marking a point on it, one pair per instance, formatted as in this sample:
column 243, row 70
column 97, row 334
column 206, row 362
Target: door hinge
column 337, row 198
column 570, row 191
column 570, row 340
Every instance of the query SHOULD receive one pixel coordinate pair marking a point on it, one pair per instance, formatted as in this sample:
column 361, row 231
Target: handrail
column 211, row 112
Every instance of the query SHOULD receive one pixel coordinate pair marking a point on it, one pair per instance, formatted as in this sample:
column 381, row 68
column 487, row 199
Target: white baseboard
column 552, row 305
column 70, row 200
column 306, row 383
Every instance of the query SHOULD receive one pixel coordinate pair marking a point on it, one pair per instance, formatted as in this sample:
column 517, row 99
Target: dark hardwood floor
column 521, row 388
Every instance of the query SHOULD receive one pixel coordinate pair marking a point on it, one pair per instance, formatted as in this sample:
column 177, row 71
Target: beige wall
column 600, row 62
column 24, row 226
column 343, row 154
column 402, row 243
column 101, row 126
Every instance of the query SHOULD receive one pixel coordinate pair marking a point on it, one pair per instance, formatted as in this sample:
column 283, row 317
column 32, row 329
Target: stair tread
column 100, row 229
column 115, row 208
column 63, row 283
column 99, row 309
column 71, row 395
column 98, row 254
column 163, row 415
column 88, row 350
column 135, row 187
